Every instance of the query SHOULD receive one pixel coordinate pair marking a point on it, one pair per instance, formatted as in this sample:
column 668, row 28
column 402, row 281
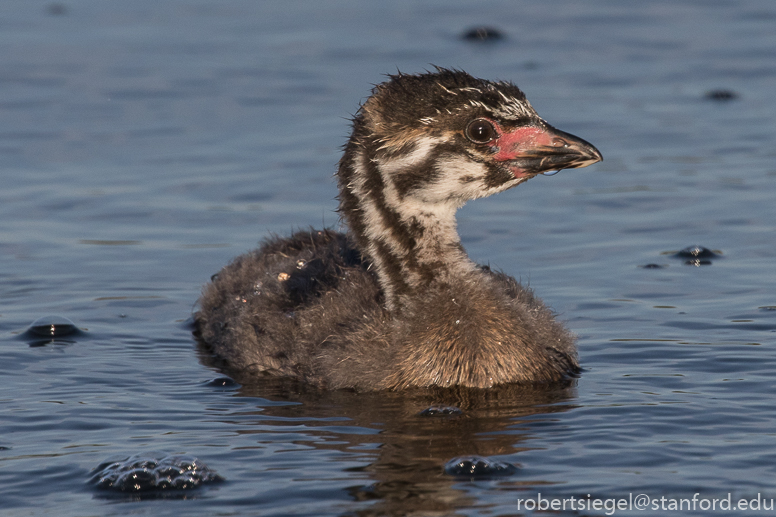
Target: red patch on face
column 516, row 143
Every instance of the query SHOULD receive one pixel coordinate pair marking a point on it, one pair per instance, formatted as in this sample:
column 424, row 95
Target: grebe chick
column 396, row 302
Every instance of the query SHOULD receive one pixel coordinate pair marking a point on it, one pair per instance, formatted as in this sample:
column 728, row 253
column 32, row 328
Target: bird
column 394, row 302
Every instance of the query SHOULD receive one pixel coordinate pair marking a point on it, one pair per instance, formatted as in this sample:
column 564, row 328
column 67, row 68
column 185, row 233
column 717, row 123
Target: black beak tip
column 596, row 154
column 585, row 152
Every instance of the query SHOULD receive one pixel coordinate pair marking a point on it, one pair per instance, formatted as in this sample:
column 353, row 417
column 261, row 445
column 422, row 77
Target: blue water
column 143, row 144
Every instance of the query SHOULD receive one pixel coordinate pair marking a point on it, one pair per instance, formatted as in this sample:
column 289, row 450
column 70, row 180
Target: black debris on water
column 478, row 467
column 153, row 471
column 482, row 34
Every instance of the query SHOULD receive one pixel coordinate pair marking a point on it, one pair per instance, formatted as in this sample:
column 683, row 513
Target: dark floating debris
column 768, row 308
column 478, row 467
column 698, row 252
column 653, row 266
column 223, row 382
column 483, row 34
column 721, row 95
column 441, row 411
column 48, row 330
column 52, row 326
column 56, row 9
column 153, row 472
column 697, row 256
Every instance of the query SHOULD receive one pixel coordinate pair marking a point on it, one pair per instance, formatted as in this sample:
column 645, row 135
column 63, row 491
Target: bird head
column 447, row 137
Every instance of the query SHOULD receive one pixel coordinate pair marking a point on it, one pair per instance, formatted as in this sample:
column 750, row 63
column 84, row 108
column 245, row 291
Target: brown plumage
column 396, row 302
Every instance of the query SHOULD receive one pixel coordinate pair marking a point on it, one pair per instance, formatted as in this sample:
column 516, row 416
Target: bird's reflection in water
column 405, row 447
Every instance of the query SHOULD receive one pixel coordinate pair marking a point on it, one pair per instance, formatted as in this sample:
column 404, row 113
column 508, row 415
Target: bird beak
column 531, row 150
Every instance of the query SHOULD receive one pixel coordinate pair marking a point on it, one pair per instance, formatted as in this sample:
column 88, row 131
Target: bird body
column 396, row 302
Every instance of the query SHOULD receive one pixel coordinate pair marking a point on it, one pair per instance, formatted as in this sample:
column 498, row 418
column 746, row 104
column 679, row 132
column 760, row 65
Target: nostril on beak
column 559, row 142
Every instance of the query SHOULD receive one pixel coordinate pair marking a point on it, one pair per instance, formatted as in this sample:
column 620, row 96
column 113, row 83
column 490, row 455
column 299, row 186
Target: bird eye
column 480, row 131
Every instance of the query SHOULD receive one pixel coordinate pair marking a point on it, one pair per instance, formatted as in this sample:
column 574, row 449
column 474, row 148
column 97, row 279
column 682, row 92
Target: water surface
column 144, row 144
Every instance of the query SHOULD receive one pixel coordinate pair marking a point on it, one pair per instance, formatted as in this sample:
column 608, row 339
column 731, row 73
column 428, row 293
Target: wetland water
column 143, row 144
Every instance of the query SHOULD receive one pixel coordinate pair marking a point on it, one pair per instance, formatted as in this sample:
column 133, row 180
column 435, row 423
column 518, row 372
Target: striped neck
column 409, row 235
